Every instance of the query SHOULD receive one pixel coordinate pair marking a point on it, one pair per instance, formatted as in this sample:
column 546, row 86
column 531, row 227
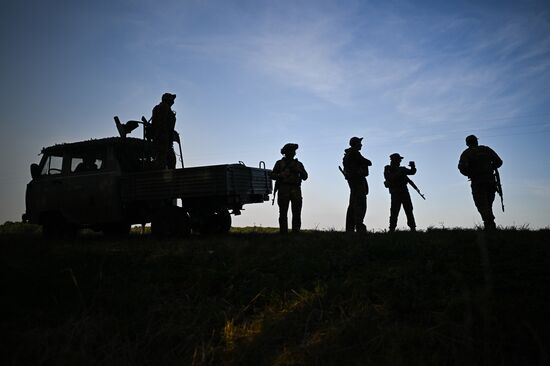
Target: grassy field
column 253, row 297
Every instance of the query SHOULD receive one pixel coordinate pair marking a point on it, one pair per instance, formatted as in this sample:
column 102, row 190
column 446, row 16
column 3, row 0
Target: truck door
column 81, row 189
column 89, row 199
column 47, row 193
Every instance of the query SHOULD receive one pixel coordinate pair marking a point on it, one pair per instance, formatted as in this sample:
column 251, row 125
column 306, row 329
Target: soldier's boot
column 489, row 225
column 393, row 224
column 361, row 228
column 296, row 225
column 283, row 225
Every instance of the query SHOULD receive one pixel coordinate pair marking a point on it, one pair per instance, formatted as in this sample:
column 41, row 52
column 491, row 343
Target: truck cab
column 76, row 185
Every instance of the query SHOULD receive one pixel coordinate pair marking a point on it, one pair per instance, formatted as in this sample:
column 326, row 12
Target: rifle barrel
column 499, row 188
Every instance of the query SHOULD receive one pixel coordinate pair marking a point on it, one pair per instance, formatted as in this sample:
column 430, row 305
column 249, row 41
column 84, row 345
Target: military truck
column 112, row 183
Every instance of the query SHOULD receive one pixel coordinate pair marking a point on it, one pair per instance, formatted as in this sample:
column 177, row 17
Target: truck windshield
column 52, row 165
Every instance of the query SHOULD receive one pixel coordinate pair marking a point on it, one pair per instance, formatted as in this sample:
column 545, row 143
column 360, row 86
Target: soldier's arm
column 409, row 171
column 463, row 164
column 497, row 161
column 303, row 173
column 276, row 171
column 389, row 175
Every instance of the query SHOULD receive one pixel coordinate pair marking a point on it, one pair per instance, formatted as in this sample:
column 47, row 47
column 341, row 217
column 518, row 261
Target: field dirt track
column 254, row 297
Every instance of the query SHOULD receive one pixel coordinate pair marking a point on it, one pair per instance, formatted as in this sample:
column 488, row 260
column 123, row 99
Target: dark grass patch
column 253, row 297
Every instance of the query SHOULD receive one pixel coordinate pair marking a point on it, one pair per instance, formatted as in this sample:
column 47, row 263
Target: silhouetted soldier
column 479, row 164
column 396, row 181
column 289, row 174
column 163, row 133
column 356, row 169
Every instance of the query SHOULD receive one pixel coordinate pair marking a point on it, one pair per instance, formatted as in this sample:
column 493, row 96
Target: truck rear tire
column 223, row 221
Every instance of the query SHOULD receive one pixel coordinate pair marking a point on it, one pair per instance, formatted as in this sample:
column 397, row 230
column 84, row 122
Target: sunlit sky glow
column 408, row 76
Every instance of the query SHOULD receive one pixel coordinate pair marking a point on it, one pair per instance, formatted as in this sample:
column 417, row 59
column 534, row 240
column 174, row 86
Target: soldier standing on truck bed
column 396, row 180
column 480, row 163
column 288, row 174
column 356, row 170
column 163, row 123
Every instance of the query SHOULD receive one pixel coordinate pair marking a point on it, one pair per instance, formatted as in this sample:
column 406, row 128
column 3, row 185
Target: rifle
column 499, row 188
column 275, row 189
column 342, row 171
column 415, row 188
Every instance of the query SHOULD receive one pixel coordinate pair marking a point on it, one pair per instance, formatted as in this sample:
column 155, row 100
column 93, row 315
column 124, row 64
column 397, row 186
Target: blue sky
column 409, row 77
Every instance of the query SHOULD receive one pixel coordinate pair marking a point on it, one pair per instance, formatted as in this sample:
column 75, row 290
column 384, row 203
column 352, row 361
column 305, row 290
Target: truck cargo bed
column 235, row 181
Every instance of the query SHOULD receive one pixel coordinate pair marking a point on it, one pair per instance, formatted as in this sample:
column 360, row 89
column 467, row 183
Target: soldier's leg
column 170, row 158
column 491, row 191
column 160, row 156
column 483, row 204
column 358, row 200
column 394, row 210
column 296, row 201
column 360, row 211
column 408, row 208
column 283, row 200
column 350, row 215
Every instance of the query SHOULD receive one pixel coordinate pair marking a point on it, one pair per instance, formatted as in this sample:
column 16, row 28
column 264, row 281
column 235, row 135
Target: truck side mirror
column 35, row 171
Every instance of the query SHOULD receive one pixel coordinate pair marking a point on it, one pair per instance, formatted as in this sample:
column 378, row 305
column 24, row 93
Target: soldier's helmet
column 167, row 97
column 396, row 157
column 288, row 148
column 471, row 140
column 355, row 141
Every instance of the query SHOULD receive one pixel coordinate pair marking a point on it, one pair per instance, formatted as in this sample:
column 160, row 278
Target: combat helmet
column 396, row 157
column 288, row 148
column 167, row 97
column 355, row 141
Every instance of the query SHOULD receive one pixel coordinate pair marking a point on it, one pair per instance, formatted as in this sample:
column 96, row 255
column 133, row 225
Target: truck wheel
column 171, row 222
column 223, row 221
column 116, row 229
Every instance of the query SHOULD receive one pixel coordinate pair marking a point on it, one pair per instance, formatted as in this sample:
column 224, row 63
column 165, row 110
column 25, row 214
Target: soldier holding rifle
column 288, row 174
column 480, row 164
column 396, row 180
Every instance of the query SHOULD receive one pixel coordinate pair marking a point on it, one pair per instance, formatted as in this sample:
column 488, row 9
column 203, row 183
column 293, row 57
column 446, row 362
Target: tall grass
column 253, row 297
